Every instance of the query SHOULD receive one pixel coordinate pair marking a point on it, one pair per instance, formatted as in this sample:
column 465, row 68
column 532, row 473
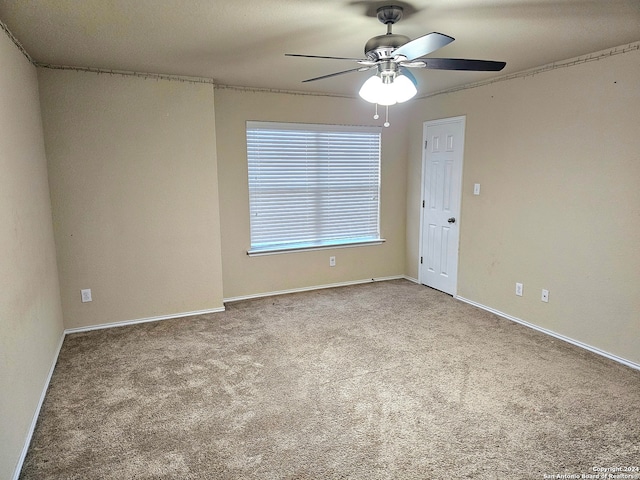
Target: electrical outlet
column 519, row 289
column 86, row 295
column 332, row 261
column 545, row 296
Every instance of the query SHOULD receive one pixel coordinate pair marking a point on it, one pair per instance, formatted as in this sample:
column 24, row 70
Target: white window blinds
column 312, row 185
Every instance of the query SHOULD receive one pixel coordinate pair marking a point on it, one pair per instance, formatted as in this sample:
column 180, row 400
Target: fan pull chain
column 376, row 116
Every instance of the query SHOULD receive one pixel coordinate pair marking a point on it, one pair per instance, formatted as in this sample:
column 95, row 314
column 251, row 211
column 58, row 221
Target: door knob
column 452, row 220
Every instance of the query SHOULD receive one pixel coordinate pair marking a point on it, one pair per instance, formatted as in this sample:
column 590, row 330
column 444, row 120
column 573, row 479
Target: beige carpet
column 386, row 380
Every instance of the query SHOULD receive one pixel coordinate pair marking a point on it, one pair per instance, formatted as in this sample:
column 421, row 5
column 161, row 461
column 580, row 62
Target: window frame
column 289, row 246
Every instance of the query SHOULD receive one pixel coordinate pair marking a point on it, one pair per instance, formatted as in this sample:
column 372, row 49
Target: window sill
column 277, row 251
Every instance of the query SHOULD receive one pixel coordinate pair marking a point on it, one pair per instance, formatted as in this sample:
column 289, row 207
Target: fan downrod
column 382, row 46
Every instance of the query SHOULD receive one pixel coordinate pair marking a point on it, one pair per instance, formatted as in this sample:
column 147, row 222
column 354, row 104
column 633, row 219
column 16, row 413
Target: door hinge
column 425, row 144
column 422, row 203
column 421, row 260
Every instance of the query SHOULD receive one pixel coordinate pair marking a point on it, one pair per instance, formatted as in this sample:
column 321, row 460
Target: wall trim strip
column 127, row 73
column 16, row 42
column 521, row 74
column 313, row 287
column 36, row 413
column 543, row 68
column 551, row 333
column 125, row 323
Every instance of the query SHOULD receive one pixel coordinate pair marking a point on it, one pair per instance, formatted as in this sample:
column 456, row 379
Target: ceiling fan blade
column 463, row 64
column 320, row 56
column 424, row 45
column 360, row 69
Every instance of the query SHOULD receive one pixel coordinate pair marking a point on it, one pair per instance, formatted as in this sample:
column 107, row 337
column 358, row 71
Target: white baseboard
column 411, row 279
column 570, row 340
column 36, row 414
column 314, row 287
column 141, row 320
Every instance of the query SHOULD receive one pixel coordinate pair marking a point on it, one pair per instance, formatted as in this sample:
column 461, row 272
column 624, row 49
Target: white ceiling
column 243, row 42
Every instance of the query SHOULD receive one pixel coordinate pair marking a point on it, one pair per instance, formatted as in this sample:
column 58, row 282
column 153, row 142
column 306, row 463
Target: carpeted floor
column 387, row 380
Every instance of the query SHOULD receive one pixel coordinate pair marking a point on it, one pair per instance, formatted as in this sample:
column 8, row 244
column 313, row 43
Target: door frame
column 423, row 190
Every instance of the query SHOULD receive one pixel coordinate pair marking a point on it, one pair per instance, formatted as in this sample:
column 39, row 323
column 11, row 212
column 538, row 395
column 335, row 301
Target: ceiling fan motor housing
column 382, row 46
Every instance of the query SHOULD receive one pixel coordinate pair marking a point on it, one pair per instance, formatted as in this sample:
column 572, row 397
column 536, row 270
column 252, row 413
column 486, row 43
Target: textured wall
column 133, row 177
column 245, row 275
column 30, row 313
column 558, row 158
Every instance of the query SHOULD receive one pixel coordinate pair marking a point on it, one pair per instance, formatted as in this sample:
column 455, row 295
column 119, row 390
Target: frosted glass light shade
column 404, row 89
column 370, row 88
column 374, row 90
column 386, row 94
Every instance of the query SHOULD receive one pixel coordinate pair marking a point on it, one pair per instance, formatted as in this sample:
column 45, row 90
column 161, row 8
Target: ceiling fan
column 393, row 55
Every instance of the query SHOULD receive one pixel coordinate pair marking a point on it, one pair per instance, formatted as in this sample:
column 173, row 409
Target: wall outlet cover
column 86, row 295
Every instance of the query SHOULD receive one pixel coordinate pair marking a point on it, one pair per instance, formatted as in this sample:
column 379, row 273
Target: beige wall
column 30, row 314
column 558, row 158
column 245, row 275
column 133, row 177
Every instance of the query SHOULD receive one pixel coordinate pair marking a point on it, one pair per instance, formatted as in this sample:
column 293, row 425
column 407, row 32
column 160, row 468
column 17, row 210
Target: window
column 312, row 186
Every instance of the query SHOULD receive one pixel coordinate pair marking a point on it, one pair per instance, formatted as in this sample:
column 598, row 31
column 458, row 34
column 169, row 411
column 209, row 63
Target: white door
column 441, row 192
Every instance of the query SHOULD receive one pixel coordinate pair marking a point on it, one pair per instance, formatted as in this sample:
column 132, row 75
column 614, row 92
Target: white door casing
column 441, row 194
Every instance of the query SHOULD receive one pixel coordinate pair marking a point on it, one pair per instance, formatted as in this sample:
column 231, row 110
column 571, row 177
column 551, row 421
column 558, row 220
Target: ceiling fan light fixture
column 388, row 91
column 394, row 56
